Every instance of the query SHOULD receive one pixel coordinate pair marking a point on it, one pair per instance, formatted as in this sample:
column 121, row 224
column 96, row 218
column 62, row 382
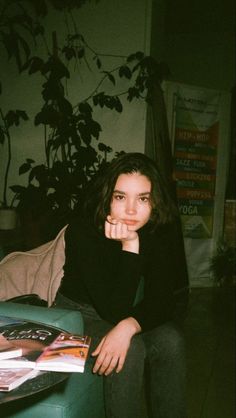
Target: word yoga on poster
column 195, row 160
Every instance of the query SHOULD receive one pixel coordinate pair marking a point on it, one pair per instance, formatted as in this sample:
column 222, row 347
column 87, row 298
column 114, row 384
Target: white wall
column 117, row 27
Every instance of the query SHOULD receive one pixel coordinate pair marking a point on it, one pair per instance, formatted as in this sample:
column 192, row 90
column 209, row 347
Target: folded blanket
column 37, row 271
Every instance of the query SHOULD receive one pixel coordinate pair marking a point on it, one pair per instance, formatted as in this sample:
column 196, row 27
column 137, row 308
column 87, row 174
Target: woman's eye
column 119, row 197
column 144, row 199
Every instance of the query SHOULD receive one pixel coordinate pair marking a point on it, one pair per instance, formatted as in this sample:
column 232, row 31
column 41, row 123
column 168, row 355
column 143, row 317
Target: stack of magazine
column 28, row 348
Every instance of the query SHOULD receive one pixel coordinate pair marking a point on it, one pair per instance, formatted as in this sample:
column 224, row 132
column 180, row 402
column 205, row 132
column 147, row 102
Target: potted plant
column 223, row 270
column 73, row 153
column 8, row 216
column 223, row 264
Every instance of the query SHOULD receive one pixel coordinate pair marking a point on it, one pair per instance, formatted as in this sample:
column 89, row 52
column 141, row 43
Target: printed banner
column 195, row 158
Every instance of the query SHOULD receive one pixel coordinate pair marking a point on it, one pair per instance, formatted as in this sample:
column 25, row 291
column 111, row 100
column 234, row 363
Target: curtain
column 158, row 147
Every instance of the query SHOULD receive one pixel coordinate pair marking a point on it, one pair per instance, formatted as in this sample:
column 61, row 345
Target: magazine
column 31, row 337
column 12, row 378
column 44, row 347
column 8, row 350
column 68, row 353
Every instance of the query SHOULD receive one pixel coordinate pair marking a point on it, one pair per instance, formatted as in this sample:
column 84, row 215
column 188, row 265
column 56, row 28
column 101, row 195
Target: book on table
column 44, row 347
column 12, row 378
column 8, row 350
column 67, row 353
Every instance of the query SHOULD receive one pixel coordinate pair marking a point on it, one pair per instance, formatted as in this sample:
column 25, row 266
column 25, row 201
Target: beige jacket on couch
column 37, row 271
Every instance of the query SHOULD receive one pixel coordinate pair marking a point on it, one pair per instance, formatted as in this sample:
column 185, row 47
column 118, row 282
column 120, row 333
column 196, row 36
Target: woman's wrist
column 132, row 325
column 131, row 246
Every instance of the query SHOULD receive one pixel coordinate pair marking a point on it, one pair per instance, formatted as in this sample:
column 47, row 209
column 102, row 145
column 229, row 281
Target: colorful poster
column 195, row 158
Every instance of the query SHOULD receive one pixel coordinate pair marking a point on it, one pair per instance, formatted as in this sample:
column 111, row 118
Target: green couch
column 80, row 396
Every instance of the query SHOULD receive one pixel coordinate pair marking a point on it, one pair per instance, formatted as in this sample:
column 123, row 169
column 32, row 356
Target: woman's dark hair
column 100, row 191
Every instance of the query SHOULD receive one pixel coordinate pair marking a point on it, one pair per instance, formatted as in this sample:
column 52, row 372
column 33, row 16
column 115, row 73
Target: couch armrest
column 66, row 319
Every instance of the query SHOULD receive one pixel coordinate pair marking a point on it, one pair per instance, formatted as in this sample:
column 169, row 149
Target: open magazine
column 67, row 353
column 12, row 378
column 43, row 346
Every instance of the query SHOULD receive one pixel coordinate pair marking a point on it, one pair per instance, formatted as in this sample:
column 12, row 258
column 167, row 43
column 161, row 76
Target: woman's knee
column 137, row 352
column 133, row 369
column 167, row 340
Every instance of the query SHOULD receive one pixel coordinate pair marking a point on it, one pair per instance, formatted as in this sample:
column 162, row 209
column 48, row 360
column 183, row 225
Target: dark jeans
column 159, row 355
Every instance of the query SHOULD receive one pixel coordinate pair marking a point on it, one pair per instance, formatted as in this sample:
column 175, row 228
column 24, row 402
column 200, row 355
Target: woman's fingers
column 99, row 362
column 106, row 364
column 112, row 365
column 115, row 229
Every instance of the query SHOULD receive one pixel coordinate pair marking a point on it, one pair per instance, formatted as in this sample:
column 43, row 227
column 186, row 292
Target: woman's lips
column 130, row 222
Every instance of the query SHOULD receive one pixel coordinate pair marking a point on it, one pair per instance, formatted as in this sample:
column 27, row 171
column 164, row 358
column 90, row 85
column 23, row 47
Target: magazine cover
column 30, row 337
column 12, row 378
column 8, row 350
column 67, row 353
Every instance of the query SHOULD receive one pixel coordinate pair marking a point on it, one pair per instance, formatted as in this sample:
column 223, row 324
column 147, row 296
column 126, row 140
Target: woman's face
column 131, row 200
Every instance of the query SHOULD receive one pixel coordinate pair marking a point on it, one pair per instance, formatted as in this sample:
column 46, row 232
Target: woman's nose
column 131, row 207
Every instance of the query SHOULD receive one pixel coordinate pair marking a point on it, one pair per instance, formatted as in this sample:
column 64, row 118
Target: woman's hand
column 112, row 350
column 114, row 229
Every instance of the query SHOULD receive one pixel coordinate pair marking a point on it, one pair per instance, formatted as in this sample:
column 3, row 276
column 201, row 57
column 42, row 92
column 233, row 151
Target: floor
column 210, row 336
column 210, row 340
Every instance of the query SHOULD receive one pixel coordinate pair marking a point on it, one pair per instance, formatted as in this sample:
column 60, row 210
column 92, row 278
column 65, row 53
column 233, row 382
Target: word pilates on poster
column 195, row 158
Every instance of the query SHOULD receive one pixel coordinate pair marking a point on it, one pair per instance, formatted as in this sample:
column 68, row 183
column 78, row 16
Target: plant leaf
column 118, row 105
column 24, row 168
column 111, row 78
column 69, row 52
column 36, row 64
column 85, row 107
column 22, row 114
column 125, row 71
column 17, row 189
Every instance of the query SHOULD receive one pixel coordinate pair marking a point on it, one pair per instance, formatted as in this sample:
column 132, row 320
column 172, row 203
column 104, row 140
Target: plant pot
column 8, row 218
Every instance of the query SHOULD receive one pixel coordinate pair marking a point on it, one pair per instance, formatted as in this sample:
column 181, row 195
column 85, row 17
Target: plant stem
column 7, row 169
column 7, row 135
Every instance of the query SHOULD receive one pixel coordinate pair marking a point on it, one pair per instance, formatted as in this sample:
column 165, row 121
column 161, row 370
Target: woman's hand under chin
column 119, row 231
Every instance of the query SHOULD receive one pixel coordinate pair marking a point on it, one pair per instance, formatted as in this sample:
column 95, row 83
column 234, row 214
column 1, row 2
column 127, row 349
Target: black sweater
column 98, row 272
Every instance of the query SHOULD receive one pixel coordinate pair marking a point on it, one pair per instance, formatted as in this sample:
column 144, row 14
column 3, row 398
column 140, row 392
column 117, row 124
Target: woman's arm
column 98, row 272
column 112, row 349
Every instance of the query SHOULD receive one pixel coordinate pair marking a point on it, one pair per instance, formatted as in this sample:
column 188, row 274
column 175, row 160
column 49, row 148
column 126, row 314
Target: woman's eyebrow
column 139, row 194
column 118, row 191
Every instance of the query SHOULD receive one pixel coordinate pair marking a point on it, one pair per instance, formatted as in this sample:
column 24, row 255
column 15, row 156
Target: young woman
column 119, row 241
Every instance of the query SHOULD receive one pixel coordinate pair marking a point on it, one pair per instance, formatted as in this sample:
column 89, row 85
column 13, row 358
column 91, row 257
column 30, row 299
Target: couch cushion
column 66, row 319
column 81, row 396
